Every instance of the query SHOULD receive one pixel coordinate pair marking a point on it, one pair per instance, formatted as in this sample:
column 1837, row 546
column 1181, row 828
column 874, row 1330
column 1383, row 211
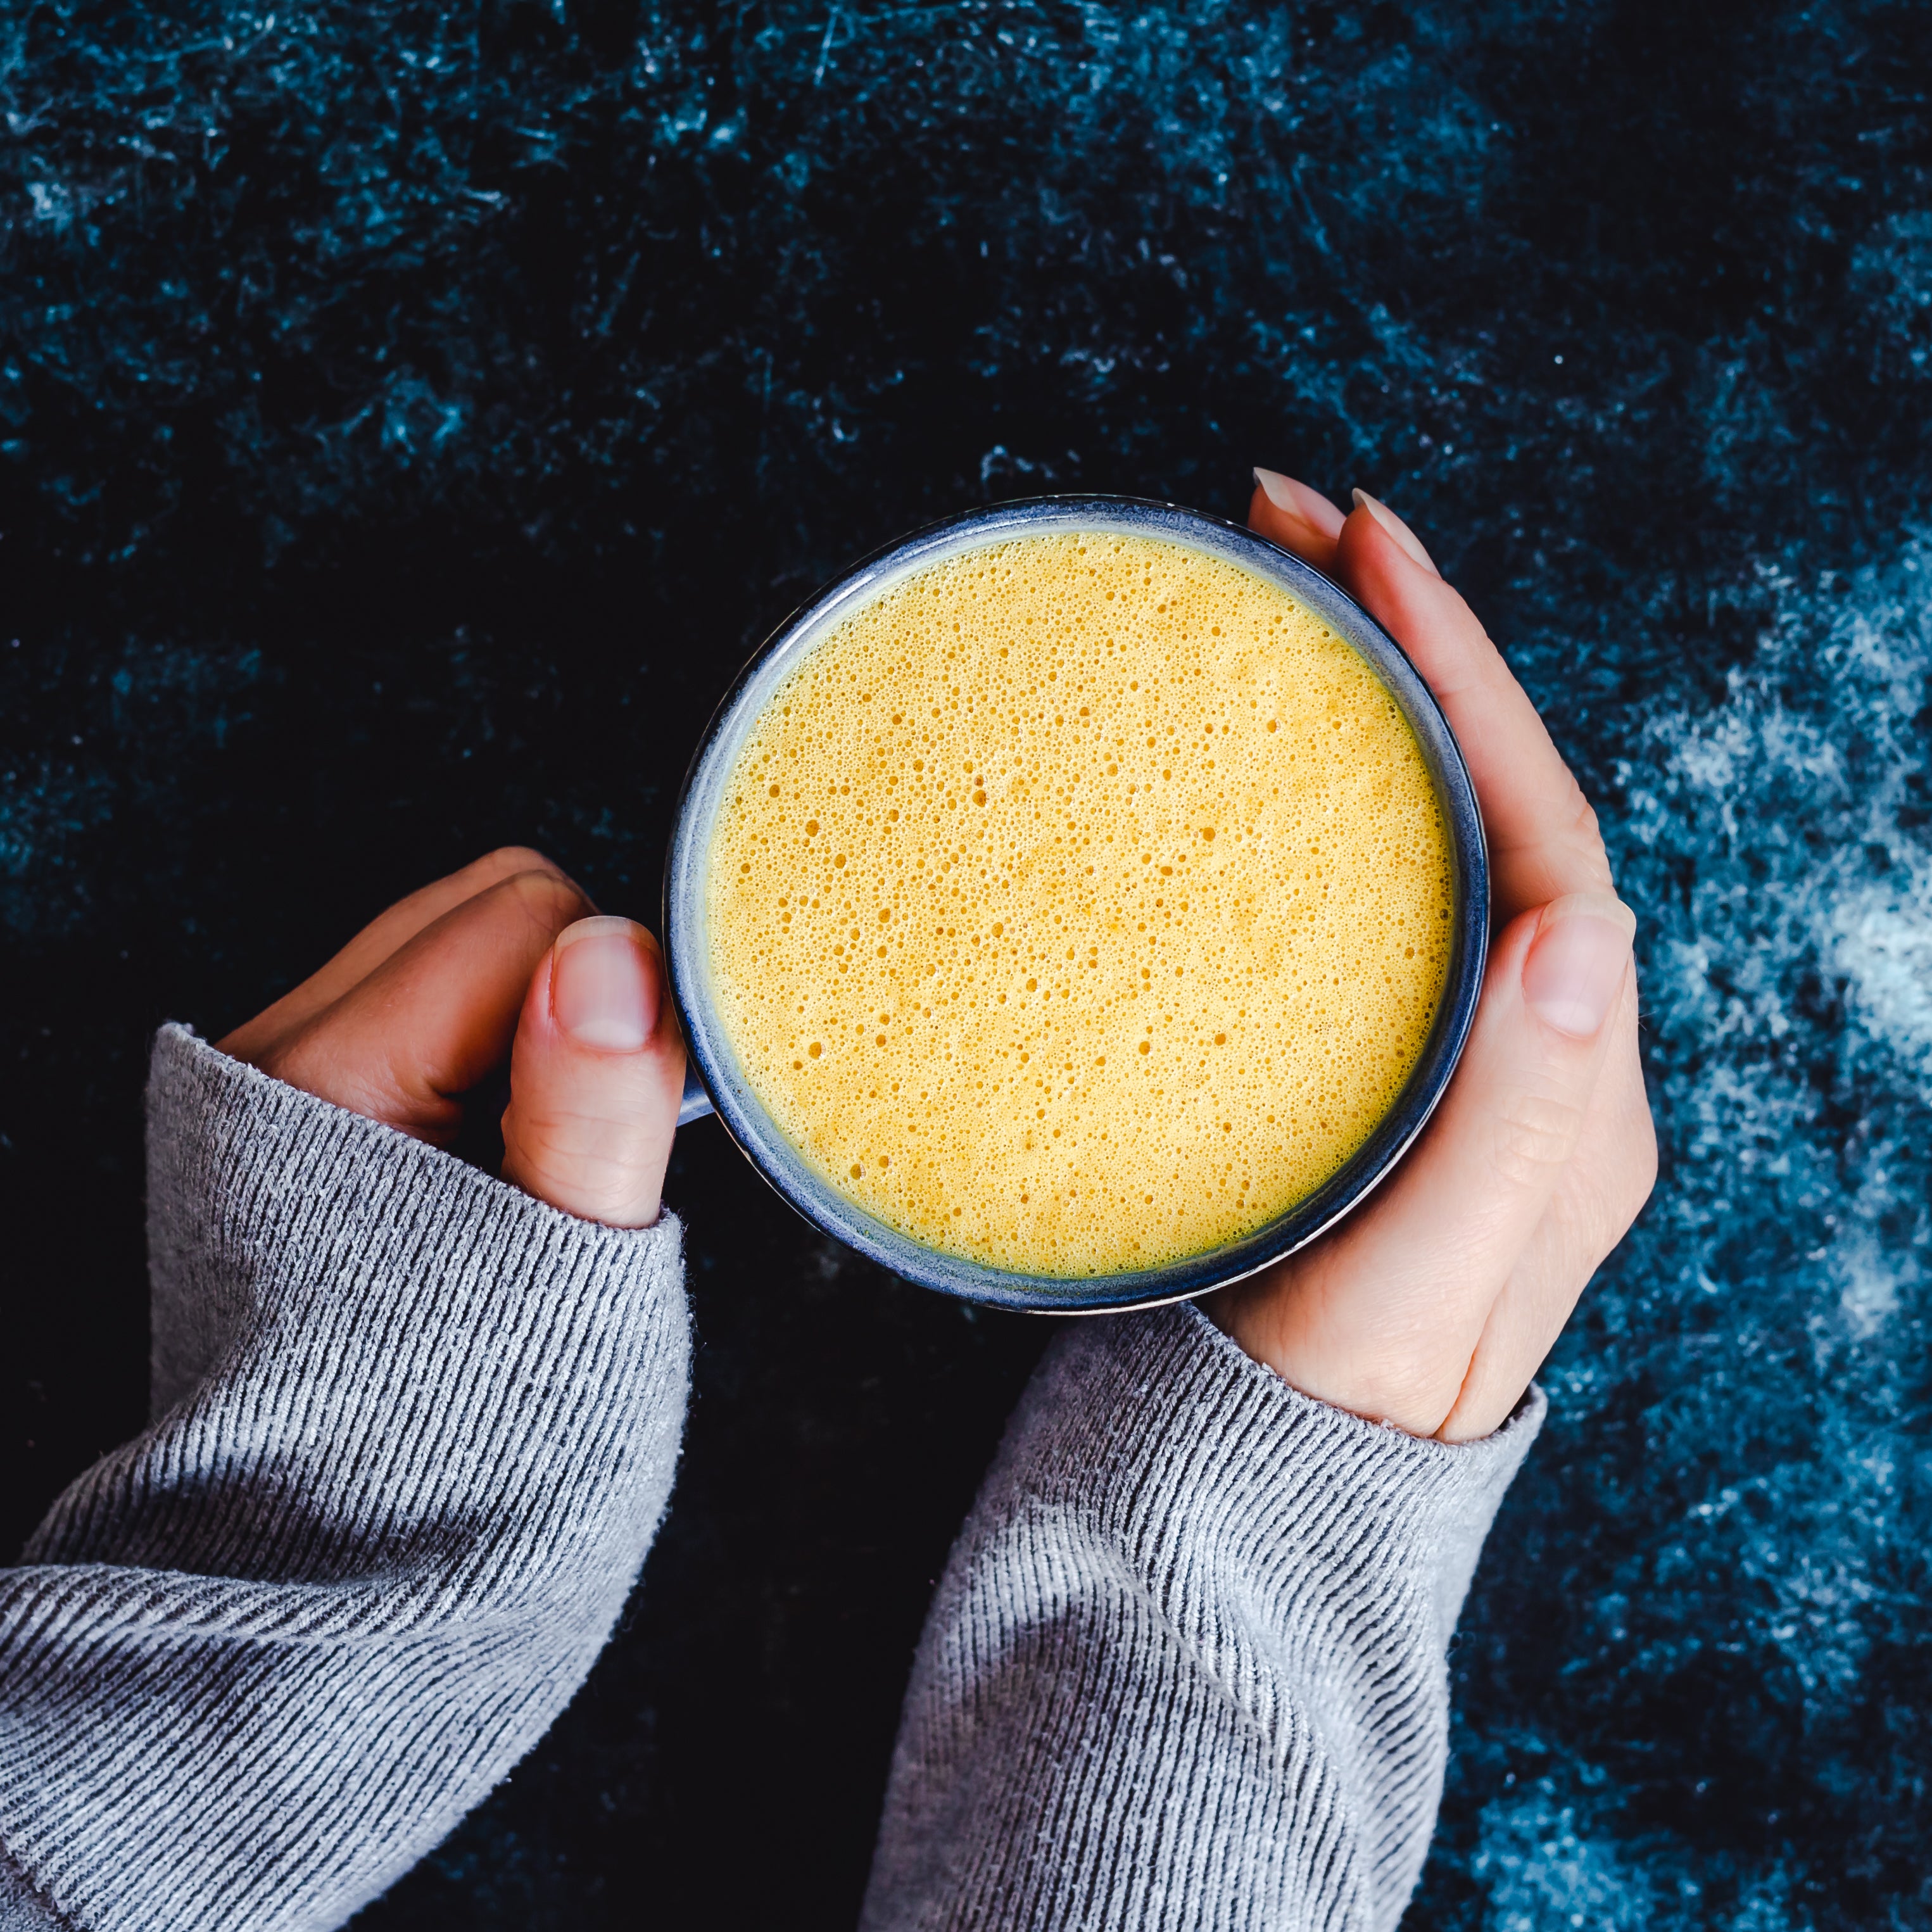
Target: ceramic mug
column 715, row 1082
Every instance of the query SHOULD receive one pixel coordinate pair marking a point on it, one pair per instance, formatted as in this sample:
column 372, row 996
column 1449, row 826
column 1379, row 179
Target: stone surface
column 408, row 418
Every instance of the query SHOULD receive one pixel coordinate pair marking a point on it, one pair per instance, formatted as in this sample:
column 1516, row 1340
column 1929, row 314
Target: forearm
column 415, row 1431
column 1187, row 1664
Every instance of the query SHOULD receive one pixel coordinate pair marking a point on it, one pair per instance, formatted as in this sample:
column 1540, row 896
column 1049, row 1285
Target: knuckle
column 507, row 860
column 292, row 1058
column 252, row 1043
column 546, row 899
column 1635, row 1170
column 1583, row 825
column 1581, row 831
column 1643, row 1180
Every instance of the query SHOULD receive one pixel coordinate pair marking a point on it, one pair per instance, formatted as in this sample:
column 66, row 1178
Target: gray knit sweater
column 413, row 1434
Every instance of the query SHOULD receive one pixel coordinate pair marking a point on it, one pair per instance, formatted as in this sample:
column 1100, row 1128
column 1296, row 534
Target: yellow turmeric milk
column 1079, row 904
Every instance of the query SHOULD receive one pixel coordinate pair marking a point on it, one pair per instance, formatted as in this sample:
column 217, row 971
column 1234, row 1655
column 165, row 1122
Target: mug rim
column 785, row 1169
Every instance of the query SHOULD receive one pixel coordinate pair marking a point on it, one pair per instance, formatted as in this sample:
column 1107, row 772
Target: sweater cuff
column 251, row 1180
column 1192, row 1440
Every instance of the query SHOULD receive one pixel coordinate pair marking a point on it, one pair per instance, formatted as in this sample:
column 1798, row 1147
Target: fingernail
column 603, row 989
column 1410, row 543
column 1297, row 499
column 1575, row 966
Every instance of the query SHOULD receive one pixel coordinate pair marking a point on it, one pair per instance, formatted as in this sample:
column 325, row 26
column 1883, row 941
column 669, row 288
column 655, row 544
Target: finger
column 1543, row 839
column 1385, row 1318
column 375, row 943
column 1601, row 1191
column 595, row 1077
column 1298, row 518
column 407, row 1040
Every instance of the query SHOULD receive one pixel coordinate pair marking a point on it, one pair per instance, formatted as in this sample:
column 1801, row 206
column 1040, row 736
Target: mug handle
column 696, row 1102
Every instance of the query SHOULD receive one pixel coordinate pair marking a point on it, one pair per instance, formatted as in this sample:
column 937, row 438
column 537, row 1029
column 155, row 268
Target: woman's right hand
column 1433, row 1305
column 506, row 960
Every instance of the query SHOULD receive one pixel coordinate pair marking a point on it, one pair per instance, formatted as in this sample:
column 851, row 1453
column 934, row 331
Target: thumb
column 595, row 1077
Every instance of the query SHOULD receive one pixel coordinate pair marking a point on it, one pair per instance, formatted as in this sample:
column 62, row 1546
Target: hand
column 505, row 960
column 1432, row 1305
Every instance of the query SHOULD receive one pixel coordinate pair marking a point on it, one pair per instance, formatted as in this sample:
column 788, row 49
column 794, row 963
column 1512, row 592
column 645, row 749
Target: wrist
column 1275, row 1319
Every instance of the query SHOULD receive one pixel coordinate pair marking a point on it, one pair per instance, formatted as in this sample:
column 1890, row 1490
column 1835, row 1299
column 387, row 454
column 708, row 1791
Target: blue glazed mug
column 716, row 1082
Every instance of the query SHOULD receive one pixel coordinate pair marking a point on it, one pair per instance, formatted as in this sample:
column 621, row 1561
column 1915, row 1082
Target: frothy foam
column 1080, row 903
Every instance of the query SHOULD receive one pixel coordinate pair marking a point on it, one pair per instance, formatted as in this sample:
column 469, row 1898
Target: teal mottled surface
column 410, row 417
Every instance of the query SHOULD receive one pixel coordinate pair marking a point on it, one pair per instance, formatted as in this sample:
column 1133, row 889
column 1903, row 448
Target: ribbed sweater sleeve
column 414, row 1433
column 1187, row 1666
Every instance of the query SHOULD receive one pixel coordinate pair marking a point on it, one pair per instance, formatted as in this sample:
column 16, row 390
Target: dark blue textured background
column 409, row 416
